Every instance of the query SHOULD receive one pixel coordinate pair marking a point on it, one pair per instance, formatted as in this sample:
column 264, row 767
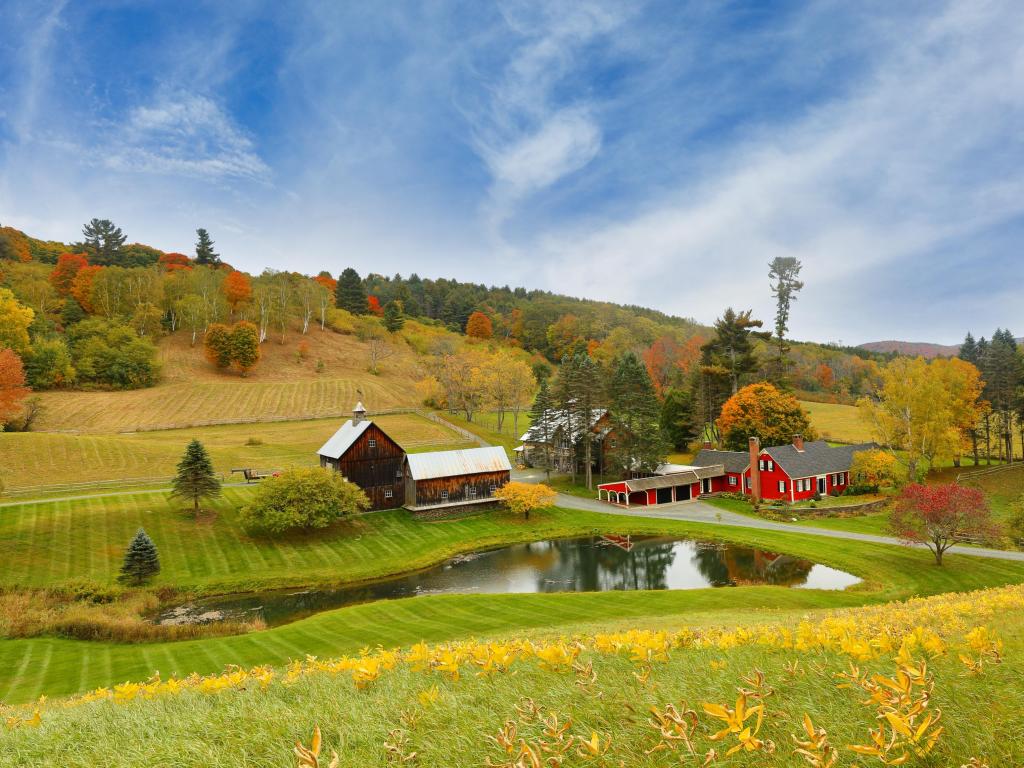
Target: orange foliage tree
column 479, row 326
column 17, row 242
column 374, row 305
column 666, row 360
column 63, row 275
column 328, row 282
column 237, row 289
column 761, row 410
column 12, row 384
column 81, row 286
column 172, row 261
column 824, row 376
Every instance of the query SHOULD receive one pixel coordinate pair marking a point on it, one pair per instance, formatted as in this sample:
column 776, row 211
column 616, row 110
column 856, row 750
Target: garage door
column 682, row 492
column 664, row 495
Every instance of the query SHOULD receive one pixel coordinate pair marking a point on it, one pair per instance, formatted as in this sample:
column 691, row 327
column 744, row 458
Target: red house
column 792, row 472
column 786, row 473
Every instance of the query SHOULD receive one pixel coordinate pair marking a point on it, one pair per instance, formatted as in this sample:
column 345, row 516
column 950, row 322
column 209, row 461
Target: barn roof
column 817, row 458
column 468, row 461
column 685, row 476
column 343, row 439
column 734, row 461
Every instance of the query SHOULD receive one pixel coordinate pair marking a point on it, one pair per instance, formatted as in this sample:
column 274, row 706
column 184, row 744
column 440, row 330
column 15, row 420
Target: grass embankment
column 600, row 699
column 835, row 421
column 60, row 543
column 485, row 425
column 30, row 459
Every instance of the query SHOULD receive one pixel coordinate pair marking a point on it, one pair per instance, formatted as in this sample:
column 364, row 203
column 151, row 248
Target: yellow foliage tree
column 15, row 319
column 523, row 498
column 921, row 409
column 877, row 468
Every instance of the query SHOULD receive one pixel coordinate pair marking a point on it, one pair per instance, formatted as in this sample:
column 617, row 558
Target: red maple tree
column 374, row 304
column 940, row 515
column 172, row 261
column 12, row 384
column 68, row 265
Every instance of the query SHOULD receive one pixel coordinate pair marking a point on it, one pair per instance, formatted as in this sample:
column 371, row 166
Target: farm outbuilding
column 671, row 483
column 368, row 457
column 454, row 478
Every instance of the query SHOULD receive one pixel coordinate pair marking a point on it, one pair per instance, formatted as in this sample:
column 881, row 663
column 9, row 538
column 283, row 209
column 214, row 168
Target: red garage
column 677, row 483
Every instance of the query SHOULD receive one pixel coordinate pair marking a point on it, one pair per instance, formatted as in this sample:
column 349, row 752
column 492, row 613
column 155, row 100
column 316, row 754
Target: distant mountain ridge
column 915, row 348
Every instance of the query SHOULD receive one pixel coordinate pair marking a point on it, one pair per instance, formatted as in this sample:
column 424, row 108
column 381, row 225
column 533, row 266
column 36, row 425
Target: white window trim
column 388, row 493
column 782, row 486
column 372, row 442
column 444, row 495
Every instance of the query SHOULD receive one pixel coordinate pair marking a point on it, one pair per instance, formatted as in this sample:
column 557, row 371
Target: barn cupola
column 358, row 413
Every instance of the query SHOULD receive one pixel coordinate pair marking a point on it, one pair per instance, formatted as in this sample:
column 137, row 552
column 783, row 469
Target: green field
column 835, row 421
column 485, row 424
column 52, row 544
column 44, row 458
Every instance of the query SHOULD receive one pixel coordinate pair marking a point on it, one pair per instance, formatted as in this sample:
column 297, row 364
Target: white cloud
column 184, row 134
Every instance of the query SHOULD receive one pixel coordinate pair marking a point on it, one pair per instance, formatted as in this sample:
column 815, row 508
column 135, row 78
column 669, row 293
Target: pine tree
column 784, row 271
column 541, row 417
column 969, row 353
column 204, row 249
column 393, row 317
column 350, row 293
column 581, row 392
column 195, row 479
column 103, row 241
column 731, row 351
column 141, row 561
column 635, row 415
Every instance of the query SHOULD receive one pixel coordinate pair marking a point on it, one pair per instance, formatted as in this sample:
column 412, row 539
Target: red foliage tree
column 824, row 376
column 479, row 326
column 326, row 281
column 940, row 515
column 81, row 286
column 12, row 384
column 374, row 304
column 237, row 289
column 63, row 275
column 172, row 261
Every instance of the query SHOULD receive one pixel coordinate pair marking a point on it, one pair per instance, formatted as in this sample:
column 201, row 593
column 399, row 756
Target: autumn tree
column 237, row 289
column 479, row 326
column 66, row 269
column 876, row 468
column 349, row 294
column 82, row 285
column 921, row 408
column 761, row 410
column 245, row 346
column 217, row 345
column 668, row 360
column 48, row 364
column 523, row 498
column 103, row 241
column 940, row 515
column 374, row 307
column 12, row 385
column 635, row 415
column 190, row 309
column 783, row 271
column 15, row 318
column 566, row 337
column 205, row 254
column 730, row 353
column 170, row 262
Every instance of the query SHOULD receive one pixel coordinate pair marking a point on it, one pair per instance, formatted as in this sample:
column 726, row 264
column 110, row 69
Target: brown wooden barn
column 454, row 478
column 368, row 457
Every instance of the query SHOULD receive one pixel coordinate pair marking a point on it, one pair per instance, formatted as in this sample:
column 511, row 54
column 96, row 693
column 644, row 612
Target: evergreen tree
column 393, row 317
column 103, row 241
column 1003, row 373
column 731, row 351
column 580, row 390
column 677, row 417
column 784, row 271
column 141, row 561
column 195, row 479
column 204, row 249
column 350, row 293
column 635, row 414
column 969, row 353
column 541, row 421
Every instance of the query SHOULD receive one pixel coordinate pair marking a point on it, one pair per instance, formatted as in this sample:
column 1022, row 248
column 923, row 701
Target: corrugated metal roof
column 562, row 420
column 343, row 439
column 468, row 461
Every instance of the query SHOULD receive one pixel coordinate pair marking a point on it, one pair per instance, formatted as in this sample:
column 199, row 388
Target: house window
column 444, row 495
column 760, row 464
column 771, row 466
column 388, row 493
column 782, row 486
column 372, row 443
column 748, row 483
column 471, row 492
column 732, row 479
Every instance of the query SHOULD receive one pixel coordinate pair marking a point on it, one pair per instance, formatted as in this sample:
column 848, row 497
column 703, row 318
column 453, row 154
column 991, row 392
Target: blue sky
column 657, row 153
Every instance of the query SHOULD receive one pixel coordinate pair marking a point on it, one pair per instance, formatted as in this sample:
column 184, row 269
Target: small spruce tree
column 195, row 479
column 141, row 561
column 204, row 249
column 394, row 319
column 541, row 422
column 350, row 293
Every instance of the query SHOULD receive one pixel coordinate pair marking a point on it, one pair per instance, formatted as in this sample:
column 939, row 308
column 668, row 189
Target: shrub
column 254, row 441
column 523, row 498
column 302, row 499
column 110, row 355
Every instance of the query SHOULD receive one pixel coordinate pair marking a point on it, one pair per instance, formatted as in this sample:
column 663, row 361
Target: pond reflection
column 591, row 564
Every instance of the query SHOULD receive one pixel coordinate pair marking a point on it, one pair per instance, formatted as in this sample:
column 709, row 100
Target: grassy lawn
column 835, row 421
column 34, row 458
column 485, row 425
column 257, row 725
column 52, row 544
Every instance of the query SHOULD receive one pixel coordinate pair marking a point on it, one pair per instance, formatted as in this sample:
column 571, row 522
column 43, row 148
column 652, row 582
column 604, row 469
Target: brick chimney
column 798, row 442
column 755, row 472
column 707, row 444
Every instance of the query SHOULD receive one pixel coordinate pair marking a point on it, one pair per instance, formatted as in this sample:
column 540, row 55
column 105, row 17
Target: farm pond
column 589, row 564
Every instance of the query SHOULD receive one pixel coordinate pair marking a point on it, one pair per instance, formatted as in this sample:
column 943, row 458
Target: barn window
column 388, row 493
column 372, row 443
column 398, row 474
column 444, row 495
column 471, row 492
column 492, row 490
